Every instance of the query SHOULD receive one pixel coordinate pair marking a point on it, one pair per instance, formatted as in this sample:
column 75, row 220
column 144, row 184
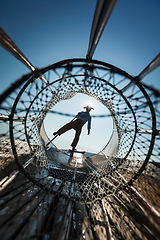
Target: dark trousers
column 77, row 126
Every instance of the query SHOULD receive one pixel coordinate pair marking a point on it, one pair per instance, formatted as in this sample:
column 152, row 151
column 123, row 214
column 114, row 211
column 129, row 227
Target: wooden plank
column 13, row 186
column 66, row 188
column 116, row 219
column 66, row 222
column 57, row 220
column 14, row 225
column 121, row 225
column 81, row 226
column 125, row 217
column 36, row 224
column 15, row 205
column 14, row 193
column 109, row 228
column 58, row 213
column 98, row 220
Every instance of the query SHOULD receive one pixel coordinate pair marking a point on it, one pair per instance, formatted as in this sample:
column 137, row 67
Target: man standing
column 77, row 123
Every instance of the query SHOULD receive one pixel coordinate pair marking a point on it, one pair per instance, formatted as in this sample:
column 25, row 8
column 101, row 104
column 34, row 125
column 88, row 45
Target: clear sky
column 48, row 31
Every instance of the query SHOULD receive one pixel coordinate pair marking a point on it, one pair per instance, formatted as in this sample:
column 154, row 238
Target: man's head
column 88, row 108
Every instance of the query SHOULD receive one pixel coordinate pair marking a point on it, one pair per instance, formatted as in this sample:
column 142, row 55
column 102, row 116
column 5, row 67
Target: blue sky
column 48, row 31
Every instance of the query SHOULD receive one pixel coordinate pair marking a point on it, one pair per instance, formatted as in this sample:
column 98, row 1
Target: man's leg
column 65, row 128
column 75, row 141
column 76, row 138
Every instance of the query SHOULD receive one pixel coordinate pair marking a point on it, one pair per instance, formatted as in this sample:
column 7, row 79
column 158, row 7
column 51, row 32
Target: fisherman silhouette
column 77, row 123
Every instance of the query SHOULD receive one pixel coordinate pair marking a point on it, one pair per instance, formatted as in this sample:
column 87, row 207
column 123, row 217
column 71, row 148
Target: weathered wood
column 98, row 220
column 13, row 186
column 139, row 216
column 121, row 227
column 57, row 185
column 14, row 225
column 15, row 192
column 66, row 223
column 132, row 216
column 29, row 212
column 33, row 228
column 57, row 221
column 81, row 226
column 58, row 211
column 109, row 229
column 124, row 215
column 145, row 204
column 147, row 207
column 17, row 203
column 66, row 188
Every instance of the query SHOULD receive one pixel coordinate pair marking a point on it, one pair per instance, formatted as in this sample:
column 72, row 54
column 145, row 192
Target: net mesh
column 112, row 194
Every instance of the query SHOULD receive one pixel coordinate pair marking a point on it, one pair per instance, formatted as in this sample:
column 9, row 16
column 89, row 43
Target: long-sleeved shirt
column 85, row 117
